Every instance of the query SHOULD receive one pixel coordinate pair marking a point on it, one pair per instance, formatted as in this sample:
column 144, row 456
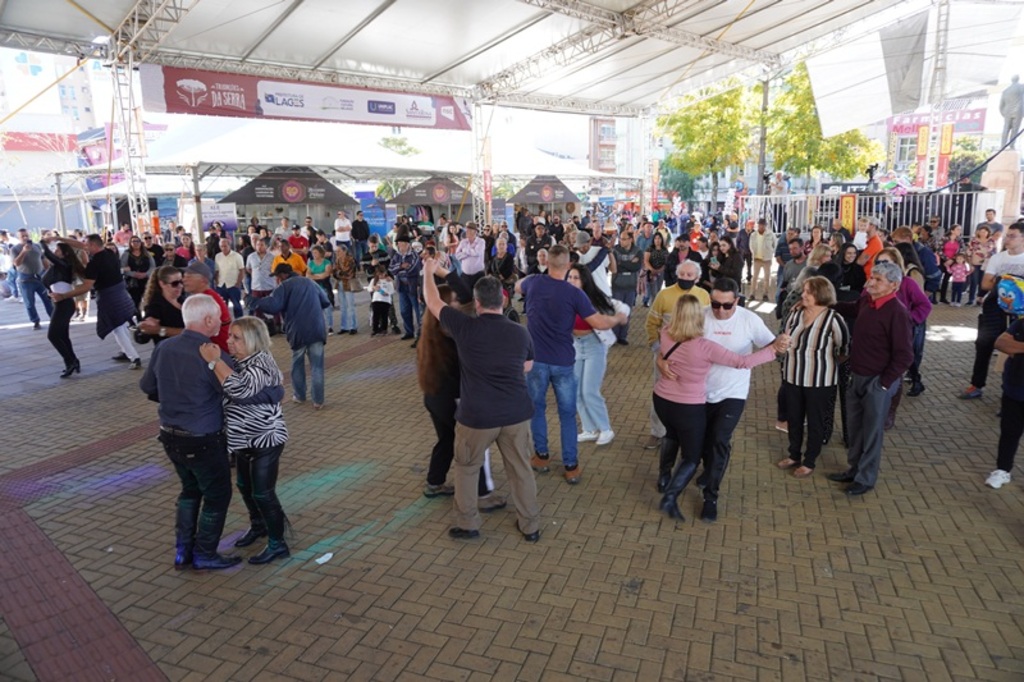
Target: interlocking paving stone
column 920, row 579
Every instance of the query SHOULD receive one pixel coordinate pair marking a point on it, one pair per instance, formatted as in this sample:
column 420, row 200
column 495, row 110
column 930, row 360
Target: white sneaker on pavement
column 587, row 436
column 605, row 437
column 997, row 479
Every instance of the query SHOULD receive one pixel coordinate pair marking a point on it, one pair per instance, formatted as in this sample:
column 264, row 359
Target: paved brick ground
column 920, row 580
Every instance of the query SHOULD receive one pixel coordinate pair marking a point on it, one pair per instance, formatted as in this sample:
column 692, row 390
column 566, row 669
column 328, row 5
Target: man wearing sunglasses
column 740, row 331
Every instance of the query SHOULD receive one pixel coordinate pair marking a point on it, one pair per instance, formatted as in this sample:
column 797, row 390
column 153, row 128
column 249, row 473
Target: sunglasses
column 174, row 283
column 722, row 306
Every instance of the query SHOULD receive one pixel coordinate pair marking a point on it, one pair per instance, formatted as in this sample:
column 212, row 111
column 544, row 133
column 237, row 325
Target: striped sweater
column 253, row 426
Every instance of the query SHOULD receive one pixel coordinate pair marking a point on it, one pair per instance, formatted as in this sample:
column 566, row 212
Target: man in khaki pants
column 494, row 356
column 762, row 249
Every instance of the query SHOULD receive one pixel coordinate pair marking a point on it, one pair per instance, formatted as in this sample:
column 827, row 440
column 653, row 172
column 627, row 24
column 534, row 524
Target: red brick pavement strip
column 61, row 625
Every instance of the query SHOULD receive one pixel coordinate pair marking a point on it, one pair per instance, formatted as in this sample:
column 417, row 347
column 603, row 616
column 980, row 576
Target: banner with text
column 171, row 90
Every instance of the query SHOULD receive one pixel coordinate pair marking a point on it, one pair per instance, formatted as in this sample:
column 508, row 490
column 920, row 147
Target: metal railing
column 803, row 211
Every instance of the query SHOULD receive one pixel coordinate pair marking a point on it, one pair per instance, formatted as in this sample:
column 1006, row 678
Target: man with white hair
column 881, row 351
column 192, row 432
column 687, row 272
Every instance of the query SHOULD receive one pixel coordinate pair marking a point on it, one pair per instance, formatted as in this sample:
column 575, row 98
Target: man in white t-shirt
column 342, row 231
column 597, row 259
column 229, row 276
column 993, row 321
column 743, row 332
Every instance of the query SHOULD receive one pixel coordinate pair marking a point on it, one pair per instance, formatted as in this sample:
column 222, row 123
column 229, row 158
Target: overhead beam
column 507, row 35
column 353, row 33
column 23, row 40
column 650, row 20
column 146, row 26
column 270, row 29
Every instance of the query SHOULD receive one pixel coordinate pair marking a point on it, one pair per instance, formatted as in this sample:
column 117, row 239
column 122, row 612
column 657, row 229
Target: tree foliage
column 966, row 156
column 710, row 135
column 795, row 140
column 678, row 181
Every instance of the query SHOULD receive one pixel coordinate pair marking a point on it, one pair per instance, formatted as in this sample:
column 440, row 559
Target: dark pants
column 233, row 297
column 868, row 405
column 958, row 292
column 136, row 293
column 748, row 260
column 917, row 337
column 409, row 303
column 722, row 418
column 810, row 403
column 257, row 482
column 59, row 332
column 1011, row 427
column 991, row 323
column 684, row 427
column 201, row 463
column 974, row 283
column 441, row 408
column 380, row 316
column 627, row 296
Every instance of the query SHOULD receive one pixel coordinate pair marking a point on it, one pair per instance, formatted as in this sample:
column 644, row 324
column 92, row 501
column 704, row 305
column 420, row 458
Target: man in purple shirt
column 552, row 305
column 881, row 351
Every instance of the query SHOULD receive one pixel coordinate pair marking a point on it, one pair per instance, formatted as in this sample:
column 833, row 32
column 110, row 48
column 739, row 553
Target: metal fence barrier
column 803, row 211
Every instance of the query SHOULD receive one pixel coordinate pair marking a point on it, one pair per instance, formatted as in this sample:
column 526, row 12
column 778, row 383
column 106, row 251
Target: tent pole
column 197, row 198
column 61, row 227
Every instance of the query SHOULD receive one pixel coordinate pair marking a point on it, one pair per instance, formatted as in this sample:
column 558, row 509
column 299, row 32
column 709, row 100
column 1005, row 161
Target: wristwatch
column 163, row 332
column 211, row 364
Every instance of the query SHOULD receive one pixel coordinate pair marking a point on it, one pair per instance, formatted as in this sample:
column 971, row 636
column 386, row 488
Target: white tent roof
column 340, row 152
column 170, row 186
column 600, row 56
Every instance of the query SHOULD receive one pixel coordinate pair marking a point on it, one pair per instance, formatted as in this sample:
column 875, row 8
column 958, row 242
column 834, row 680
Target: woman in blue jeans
column 591, row 362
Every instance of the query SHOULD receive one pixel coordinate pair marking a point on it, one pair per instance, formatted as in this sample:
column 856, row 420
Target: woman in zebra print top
column 256, row 432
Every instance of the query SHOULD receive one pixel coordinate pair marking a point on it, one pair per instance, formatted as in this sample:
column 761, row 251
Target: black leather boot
column 666, row 460
column 709, row 513
column 256, row 531
column 205, row 557
column 680, row 479
column 185, row 532
column 276, row 547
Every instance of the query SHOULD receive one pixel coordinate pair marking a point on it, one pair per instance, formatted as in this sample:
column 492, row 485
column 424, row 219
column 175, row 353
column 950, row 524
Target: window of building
column 607, row 132
column 906, row 152
column 606, row 158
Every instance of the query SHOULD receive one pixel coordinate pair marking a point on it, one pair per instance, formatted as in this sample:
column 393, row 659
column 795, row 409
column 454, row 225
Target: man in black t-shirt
column 494, row 356
column 360, row 236
column 114, row 307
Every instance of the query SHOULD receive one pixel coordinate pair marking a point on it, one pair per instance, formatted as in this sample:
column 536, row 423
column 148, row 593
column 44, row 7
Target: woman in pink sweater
column 679, row 393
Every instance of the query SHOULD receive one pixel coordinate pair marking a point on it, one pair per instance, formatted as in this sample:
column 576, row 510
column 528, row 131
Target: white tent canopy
column 170, row 186
column 595, row 56
column 340, row 152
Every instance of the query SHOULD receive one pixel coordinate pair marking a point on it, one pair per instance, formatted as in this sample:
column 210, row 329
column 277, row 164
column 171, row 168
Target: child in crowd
column 959, row 271
column 381, row 288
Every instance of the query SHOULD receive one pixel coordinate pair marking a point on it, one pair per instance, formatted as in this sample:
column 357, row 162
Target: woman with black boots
column 684, row 360
column 256, row 431
column 65, row 266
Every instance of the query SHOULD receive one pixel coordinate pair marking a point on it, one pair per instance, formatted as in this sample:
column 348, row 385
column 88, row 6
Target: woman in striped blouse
column 256, row 431
column 810, row 368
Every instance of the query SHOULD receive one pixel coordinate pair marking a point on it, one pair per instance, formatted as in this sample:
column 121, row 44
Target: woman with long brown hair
column 161, row 304
column 65, row 267
column 438, row 374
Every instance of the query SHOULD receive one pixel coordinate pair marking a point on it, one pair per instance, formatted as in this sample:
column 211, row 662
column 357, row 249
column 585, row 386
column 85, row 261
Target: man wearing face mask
column 687, row 274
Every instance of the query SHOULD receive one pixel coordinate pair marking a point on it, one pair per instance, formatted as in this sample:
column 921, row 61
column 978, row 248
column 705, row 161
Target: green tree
column 391, row 188
column 795, row 140
column 678, row 181
column 709, row 135
column 966, row 156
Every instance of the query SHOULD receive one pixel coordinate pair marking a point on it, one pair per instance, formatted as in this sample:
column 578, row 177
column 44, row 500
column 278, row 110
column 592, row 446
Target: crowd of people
column 851, row 309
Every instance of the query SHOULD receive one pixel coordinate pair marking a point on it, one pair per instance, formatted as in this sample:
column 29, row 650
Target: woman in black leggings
column 64, row 267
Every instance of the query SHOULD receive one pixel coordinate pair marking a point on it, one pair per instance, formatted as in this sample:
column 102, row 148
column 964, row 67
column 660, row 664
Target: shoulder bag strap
column 671, row 350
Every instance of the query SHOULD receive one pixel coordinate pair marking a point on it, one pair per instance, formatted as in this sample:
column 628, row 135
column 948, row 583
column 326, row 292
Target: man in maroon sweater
column 881, row 351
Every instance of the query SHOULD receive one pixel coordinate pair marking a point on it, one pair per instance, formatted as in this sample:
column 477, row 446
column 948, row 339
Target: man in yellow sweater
column 688, row 272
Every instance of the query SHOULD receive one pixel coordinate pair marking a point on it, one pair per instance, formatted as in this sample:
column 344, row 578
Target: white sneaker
column 586, row 437
column 997, row 479
column 605, row 437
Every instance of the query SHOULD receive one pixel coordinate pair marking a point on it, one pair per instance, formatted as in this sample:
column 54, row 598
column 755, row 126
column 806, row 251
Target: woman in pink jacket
column 679, row 394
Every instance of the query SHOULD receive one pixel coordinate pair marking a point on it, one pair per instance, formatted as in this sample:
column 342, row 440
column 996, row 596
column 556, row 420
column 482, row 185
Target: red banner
column 171, row 90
